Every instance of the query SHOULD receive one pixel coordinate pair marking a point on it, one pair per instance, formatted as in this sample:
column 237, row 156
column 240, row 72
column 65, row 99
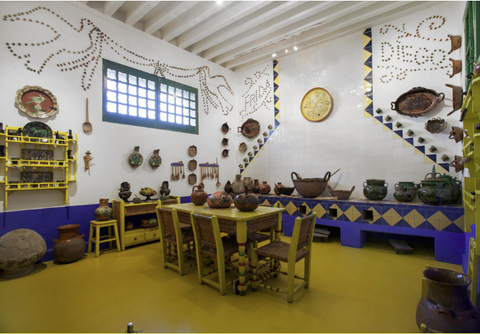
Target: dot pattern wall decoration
column 214, row 89
column 258, row 93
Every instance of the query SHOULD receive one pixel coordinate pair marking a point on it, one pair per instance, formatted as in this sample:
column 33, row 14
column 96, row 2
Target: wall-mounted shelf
column 32, row 163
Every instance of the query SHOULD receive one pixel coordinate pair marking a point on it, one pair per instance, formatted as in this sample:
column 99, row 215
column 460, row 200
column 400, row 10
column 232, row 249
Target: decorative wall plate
column 242, row 147
column 192, row 178
column 192, row 165
column 417, row 102
column 250, row 128
column 37, row 130
column 316, row 105
column 192, row 151
column 36, row 102
column 436, row 125
column 225, row 128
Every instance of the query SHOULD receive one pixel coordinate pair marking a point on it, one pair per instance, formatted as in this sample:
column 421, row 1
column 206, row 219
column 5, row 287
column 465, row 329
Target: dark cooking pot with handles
column 310, row 187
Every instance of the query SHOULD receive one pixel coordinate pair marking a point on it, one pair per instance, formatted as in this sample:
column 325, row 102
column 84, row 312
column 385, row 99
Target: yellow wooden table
column 233, row 220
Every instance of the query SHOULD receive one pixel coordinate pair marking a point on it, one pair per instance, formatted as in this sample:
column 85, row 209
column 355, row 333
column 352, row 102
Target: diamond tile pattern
column 392, row 217
column 352, row 213
column 414, row 219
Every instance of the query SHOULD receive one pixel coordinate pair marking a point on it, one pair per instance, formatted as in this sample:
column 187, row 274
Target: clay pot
column 103, row 212
column 248, row 182
column 238, row 185
column 69, row 246
column 219, row 199
column 310, row 187
column 278, row 185
column 445, row 307
column 19, row 250
column 402, row 195
column 228, row 187
column 434, row 192
column 256, row 186
column 198, row 196
column 375, row 189
column 456, row 133
column 246, row 201
column 410, row 187
column 264, row 188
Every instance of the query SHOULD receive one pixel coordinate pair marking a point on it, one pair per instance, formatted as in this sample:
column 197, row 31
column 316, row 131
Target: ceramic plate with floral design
column 36, row 102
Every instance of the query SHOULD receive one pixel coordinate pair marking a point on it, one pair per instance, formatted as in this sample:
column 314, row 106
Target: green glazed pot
column 434, row 192
column 375, row 189
column 410, row 187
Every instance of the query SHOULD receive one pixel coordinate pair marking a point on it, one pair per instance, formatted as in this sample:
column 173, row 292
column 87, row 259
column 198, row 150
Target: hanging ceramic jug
column 69, row 246
column 265, row 188
column 246, row 201
column 103, row 212
column 135, row 159
column 445, row 307
column 198, row 196
column 237, row 185
column 155, row 160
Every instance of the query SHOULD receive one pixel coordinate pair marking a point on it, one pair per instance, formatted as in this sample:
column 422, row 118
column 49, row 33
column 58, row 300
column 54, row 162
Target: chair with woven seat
column 174, row 235
column 299, row 248
column 210, row 243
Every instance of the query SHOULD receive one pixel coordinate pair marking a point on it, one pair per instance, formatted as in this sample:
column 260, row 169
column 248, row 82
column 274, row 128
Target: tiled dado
column 387, row 213
column 356, row 219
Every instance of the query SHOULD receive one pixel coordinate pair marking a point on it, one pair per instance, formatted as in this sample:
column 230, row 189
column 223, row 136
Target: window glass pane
column 142, row 82
column 111, row 96
column 142, row 92
column 171, row 90
column 186, row 121
column 163, row 88
column 186, row 112
column 132, row 79
column 151, row 114
column 122, row 77
column 163, row 117
column 151, row 104
column 178, row 119
column 192, row 113
column 151, row 94
column 151, row 84
column 193, row 122
column 132, row 100
column 142, row 112
column 111, row 85
column 132, row 111
column 122, row 98
column 192, row 105
column 179, row 92
column 132, row 90
column 111, row 107
column 178, row 101
column 122, row 109
column 163, row 97
column 171, row 99
column 185, row 94
column 122, row 88
column 192, row 96
column 171, row 109
column 178, row 110
column 142, row 103
column 171, row 118
column 111, row 74
column 185, row 103
column 163, row 107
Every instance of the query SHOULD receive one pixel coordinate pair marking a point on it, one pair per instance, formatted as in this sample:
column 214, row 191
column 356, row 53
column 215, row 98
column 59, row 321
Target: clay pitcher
column 103, row 212
column 445, row 307
column 198, row 196
column 246, row 201
column 456, row 133
column 69, row 246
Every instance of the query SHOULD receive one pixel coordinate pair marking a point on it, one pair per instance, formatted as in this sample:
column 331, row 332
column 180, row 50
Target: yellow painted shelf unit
column 122, row 210
column 471, row 154
column 27, row 158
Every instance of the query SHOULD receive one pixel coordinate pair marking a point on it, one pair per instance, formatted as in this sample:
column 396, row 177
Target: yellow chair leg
column 180, row 259
column 291, row 281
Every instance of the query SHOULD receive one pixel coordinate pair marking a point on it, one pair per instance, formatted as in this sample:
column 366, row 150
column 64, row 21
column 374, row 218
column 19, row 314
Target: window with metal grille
column 134, row 97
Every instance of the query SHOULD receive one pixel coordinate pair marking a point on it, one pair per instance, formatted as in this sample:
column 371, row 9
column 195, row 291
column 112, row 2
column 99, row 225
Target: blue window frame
column 134, row 97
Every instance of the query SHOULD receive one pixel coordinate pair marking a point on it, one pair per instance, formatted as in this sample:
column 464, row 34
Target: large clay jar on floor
column 198, row 196
column 69, row 246
column 103, row 212
column 19, row 250
column 246, row 201
column 445, row 307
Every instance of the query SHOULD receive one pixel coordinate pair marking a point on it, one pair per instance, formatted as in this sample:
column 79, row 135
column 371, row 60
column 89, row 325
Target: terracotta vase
column 265, row 188
column 246, row 201
column 103, row 212
column 445, row 307
column 278, row 185
column 198, row 196
column 155, row 160
column 69, row 246
column 135, row 159
column 256, row 186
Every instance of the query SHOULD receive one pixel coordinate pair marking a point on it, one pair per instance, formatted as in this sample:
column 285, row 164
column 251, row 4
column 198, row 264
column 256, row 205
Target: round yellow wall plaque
column 316, row 105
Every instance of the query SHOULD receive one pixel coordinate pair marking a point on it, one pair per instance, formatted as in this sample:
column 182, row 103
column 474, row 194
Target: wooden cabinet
column 123, row 211
column 37, row 163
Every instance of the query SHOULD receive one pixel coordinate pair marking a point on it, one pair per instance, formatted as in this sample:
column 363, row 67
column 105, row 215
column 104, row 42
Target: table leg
column 242, row 239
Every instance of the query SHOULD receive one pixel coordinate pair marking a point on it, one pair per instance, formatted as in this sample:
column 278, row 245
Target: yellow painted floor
column 352, row 290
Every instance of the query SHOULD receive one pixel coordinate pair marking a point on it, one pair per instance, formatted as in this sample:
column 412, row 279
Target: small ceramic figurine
column 124, row 191
column 86, row 159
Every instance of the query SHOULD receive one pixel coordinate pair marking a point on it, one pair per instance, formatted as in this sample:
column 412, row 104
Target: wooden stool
column 97, row 239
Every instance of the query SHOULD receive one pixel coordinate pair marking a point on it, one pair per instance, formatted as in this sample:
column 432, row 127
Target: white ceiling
column 241, row 34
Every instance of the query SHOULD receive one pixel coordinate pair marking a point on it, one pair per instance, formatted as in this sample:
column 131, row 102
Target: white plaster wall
column 109, row 143
column 346, row 139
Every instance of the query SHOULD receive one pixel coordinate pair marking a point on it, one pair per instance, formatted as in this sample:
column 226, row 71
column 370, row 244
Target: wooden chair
column 299, row 248
column 473, row 270
column 173, row 236
column 210, row 243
